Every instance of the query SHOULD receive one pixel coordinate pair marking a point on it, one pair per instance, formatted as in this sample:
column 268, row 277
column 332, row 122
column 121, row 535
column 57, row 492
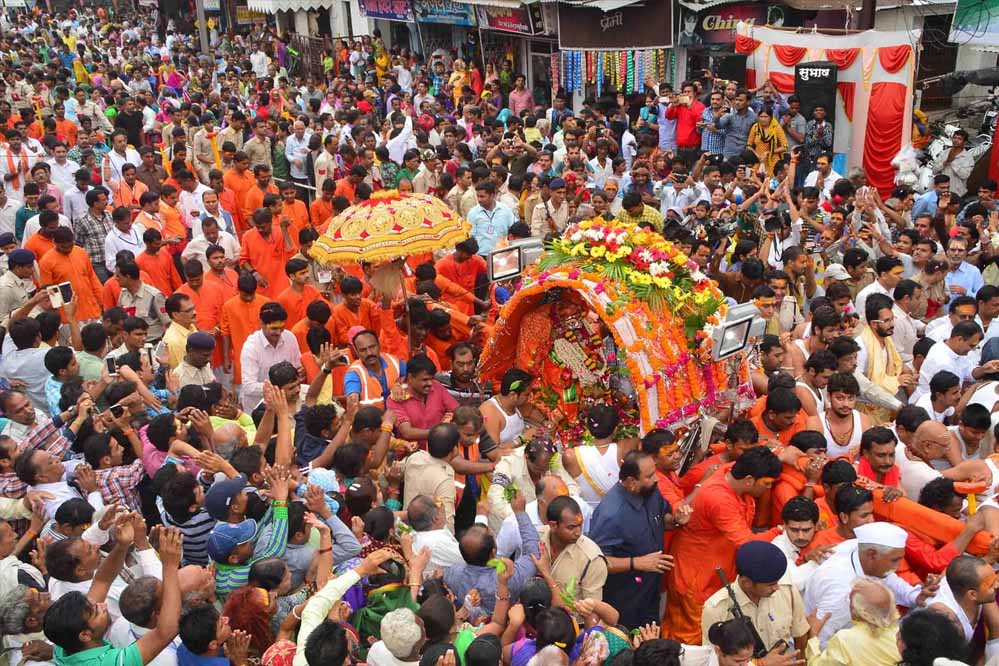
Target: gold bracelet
column 386, row 428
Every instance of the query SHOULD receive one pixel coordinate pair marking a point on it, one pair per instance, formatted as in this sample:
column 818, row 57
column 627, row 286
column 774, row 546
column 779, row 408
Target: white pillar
column 301, row 22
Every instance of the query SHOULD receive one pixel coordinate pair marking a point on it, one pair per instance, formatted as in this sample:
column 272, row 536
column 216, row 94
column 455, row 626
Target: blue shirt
column 627, row 525
column 53, row 392
column 352, row 383
column 966, row 276
column 667, row 130
column 489, row 226
column 463, row 578
column 925, row 204
column 736, row 128
column 712, row 142
column 187, row 658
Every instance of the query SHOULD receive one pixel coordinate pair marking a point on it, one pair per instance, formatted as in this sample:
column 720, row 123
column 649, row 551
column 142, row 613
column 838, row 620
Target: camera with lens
column 776, row 220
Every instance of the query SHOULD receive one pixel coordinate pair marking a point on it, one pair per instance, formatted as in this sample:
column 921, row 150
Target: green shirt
column 105, row 655
column 91, row 367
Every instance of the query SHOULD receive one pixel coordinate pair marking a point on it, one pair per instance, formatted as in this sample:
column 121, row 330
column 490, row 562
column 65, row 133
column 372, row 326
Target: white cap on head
column 881, row 534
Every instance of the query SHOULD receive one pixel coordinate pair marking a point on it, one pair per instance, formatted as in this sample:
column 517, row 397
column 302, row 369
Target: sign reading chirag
column 648, row 25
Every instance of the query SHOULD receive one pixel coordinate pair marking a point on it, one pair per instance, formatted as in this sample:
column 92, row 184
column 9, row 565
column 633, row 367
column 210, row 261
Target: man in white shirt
column 875, row 553
column 211, row 234
column 549, row 487
column 124, row 236
column 430, row 531
column 8, row 211
column 889, row 272
column 907, row 327
column 191, row 201
column 119, row 155
column 16, row 160
column 264, row 349
column 63, row 169
column 259, row 62
column 823, row 178
column 800, row 519
column 953, row 355
column 296, row 148
column 74, row 200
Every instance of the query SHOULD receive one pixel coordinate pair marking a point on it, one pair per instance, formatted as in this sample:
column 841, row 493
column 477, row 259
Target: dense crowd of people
column 216, row 450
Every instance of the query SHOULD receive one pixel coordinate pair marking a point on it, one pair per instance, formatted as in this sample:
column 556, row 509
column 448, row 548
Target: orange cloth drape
column 746, row 45
column 842, row 57
column 847, row 93
column 885, row 118
column 893, row 58
column 782, row 82
column 789, row 56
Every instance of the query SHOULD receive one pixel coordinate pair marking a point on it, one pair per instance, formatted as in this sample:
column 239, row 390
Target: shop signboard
column 716, row 26
column 246, row 16
column 388, row 10
column 646, row 26
column 443, row 11
column 975, row 22
column 523, row 20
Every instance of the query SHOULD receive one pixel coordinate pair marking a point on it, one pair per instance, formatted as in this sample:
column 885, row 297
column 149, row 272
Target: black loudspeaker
column 815, row 85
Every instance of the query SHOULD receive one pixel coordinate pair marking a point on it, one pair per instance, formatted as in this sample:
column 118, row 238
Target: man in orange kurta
column 463, row 267
column 297, row 296
column 782, row 417
column 265, row 251
column 395, row 341
column 294, row 208
column 795, row 479
column 208, row 299
column 854, row 507
column 156, row 261
column 740, row 436
column 67, row 262
column 41, row 243
column 220, row 274
column 353, row 311
column 238, row 179
column 240, row 319
column 721, row 521
column 254, row 198
column 321, row 210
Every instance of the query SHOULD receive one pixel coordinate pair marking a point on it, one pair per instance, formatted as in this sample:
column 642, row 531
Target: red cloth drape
column 885, row 118
column 842, row 57
column 789, row 56
column 782, row 82
column 847, row 91
column 893, row 58
column 750, row 78
column 746, row 45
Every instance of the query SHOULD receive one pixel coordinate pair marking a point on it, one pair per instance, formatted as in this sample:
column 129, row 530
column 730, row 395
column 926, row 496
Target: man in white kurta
column 876, row 553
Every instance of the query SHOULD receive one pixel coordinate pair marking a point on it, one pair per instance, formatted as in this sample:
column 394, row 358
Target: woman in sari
column 767, row 140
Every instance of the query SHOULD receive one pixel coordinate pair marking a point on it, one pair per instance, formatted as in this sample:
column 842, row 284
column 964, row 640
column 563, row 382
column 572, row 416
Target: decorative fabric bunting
column 847, row 92
column 893, row 58
column 789, row 56
column 842, row 57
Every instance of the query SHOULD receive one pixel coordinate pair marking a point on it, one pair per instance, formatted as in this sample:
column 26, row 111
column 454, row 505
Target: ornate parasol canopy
column 388, row 226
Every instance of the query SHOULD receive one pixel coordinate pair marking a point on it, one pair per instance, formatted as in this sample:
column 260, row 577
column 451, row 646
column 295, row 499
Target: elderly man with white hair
column 402, row 640
column 870, row 641
column 876, row 554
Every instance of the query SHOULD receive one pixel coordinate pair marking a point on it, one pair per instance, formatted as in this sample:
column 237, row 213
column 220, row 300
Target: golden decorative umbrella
column 390, row 225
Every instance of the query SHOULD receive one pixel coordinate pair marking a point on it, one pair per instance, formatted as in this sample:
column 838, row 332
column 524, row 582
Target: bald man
column 229, row 437
column 546, row 489
column 930, row 442
column 967, row 595
column 870, row 639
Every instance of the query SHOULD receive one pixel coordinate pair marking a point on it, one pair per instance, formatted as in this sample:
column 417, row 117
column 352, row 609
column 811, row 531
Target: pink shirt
column 424, row 415
column 520, row 100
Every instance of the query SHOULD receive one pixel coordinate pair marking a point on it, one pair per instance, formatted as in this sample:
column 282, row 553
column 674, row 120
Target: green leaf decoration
column 497, row 564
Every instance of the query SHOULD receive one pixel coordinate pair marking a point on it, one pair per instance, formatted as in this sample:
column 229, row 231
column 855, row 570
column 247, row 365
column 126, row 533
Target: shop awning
column 275, row 6
column 505, row 4
column 602, row 5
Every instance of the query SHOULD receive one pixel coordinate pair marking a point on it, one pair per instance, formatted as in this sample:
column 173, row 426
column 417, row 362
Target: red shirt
column 424, row 414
